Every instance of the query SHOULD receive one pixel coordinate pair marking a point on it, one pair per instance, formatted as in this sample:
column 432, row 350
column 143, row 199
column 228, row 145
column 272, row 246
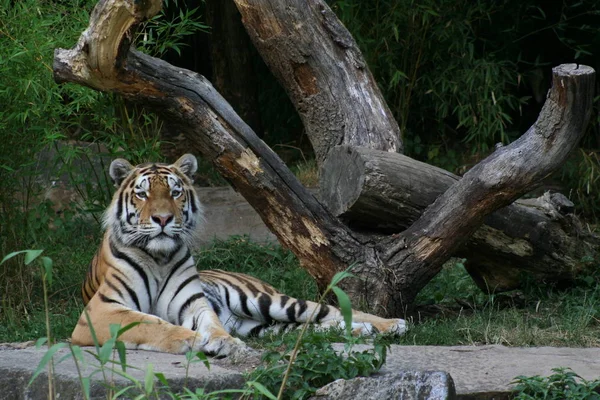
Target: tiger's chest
column 159, row 289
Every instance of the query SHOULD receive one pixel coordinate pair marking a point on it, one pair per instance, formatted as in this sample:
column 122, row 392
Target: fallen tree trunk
column 387, row 192
column 391, row 270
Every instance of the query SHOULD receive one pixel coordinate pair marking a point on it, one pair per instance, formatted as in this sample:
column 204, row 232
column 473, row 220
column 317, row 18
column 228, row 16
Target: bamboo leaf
column 345, row 307
column 149, row 379
column 31, row 255
column 11, row 255
column 262, row 390
column 45, row 359
column 47, row 265
column 122, row 355
column 337, row 278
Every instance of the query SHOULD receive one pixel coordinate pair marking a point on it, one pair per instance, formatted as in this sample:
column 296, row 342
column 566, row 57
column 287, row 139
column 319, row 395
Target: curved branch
column 495, row 182
column 211, row 125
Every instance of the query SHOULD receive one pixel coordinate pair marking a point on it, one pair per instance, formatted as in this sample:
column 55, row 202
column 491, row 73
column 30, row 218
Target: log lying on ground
column 387, row 192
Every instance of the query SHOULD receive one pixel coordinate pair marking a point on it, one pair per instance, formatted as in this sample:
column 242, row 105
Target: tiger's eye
column 141, row 195
column 175, row 193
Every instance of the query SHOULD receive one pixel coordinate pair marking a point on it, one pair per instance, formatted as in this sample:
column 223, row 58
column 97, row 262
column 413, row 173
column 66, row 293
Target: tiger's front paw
column 392, row 327
column 220, row 346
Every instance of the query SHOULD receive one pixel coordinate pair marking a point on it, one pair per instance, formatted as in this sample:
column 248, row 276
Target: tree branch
column 317, row 61
column 495, row 182
column 209, row 123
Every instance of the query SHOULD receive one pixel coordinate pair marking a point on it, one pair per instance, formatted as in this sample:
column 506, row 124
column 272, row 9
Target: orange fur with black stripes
column 144, row 272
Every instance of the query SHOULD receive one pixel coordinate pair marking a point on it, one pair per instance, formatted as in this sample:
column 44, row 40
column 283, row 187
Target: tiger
column 144, row 276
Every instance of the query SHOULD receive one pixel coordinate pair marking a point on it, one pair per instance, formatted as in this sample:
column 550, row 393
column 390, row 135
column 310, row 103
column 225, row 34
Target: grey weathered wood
column 495, row 182
column 393, row 269
column 323, row 71
column 377, row 190
column 212, row 127
column 387, row 192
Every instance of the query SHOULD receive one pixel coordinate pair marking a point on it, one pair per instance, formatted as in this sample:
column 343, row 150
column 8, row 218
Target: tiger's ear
column 187, row 164
column 119, row 170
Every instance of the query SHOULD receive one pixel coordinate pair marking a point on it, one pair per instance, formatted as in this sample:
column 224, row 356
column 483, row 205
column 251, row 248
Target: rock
column 18, row 366
column 488, row 372
column 401, row 385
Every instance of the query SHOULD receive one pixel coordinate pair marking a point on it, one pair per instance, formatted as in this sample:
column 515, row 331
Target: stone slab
column 405, row 385
column 17, row 366
column 486, row 372
column 227, row 213
column 479, row 372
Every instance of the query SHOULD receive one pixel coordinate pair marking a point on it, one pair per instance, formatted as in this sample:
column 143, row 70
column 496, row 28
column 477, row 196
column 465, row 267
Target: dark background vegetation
column 459, row 76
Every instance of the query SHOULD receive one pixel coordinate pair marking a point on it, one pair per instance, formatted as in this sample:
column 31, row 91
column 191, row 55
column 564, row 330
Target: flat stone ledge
column 486, row 372
column 478, row 372
column 17, row 366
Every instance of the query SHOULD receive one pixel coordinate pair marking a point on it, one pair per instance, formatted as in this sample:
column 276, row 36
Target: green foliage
column 581, row 175
column 461, row 76
column 42, row 125
column 563, row 384
column 316, row 364
column 455, row 66
column 159, row 35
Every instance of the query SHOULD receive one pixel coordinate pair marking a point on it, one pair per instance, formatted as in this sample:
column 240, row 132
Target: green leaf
column 337, row 278
column 77, row 353
column 47, row 265
column 11, row 255
column 31, row 255
column 345, row 307
column 106, row 350
column 122, row 355
column 128, row 327
column 45, row 359
column 161, row 378
column 40, row 342
column 114, row 330
column 202, row 357
column 85, row 384
column 92, row 330
column 121, row 392
column 149, row 379
column 262, row 390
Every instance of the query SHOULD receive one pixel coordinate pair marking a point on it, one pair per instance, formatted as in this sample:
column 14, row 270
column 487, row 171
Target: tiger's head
column 155, row 206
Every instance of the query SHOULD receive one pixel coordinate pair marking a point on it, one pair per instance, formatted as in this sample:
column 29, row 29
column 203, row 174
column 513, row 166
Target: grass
column 537, row 315
column 72, row 249
column 452, row 311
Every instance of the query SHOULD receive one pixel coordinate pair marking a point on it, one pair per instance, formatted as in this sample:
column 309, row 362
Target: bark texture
column 319, row 64
column 394, row 268
column 387, row 192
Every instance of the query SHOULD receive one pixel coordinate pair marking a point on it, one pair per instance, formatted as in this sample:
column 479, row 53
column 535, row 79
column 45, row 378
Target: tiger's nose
column 162, row 219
